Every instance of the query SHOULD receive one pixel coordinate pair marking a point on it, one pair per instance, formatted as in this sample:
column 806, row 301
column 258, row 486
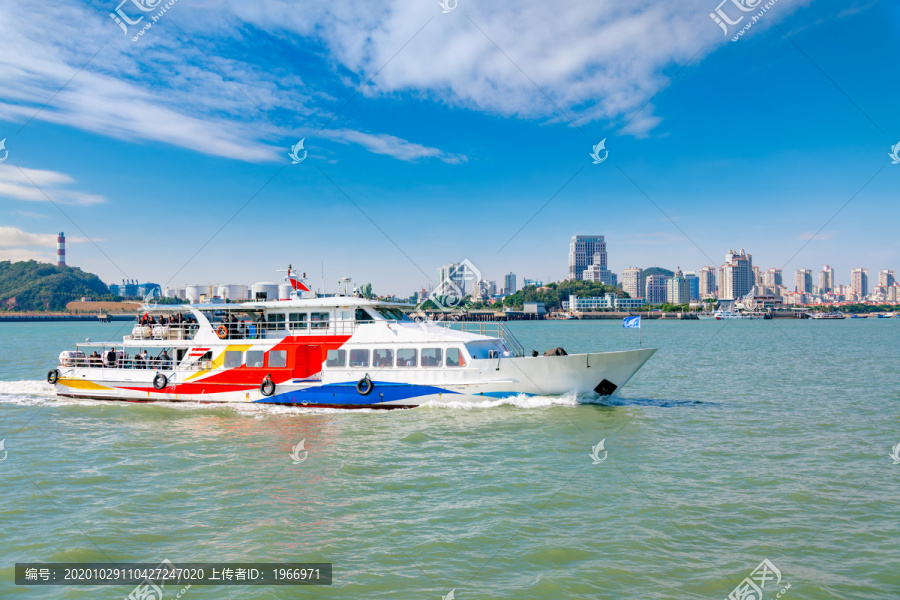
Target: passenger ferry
column 339, row 351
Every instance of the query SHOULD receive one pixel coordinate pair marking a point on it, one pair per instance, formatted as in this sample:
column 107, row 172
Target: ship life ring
column 222, row 332
column 364, row 386
column 267, row 387
column 52, row 376
column 160, row 381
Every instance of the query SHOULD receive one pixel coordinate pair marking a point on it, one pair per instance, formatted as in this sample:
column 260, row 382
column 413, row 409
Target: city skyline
column 184, row 175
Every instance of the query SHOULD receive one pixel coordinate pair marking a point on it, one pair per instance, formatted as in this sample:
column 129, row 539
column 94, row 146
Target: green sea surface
column 738, row 441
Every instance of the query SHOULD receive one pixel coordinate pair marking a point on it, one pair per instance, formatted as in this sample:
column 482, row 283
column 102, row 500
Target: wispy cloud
column 11, row 237
column 20, row 185
column 615, row 57
column 393, row 146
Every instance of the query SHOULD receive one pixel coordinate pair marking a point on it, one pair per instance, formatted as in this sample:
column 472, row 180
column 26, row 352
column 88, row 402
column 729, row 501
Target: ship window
column 359, row 358
column 232, row 359
column 255, row 358
column 406, row 357
column 382, row 358
column 278, row 359
column 318, row 320
column 362, row 315
column 297, row 320
column 392, row 314
column 276, row 321
column 336, row 358
column 455, row 358
column 431, row 357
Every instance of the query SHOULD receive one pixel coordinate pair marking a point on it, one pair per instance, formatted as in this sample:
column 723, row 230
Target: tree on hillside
column 33, row 286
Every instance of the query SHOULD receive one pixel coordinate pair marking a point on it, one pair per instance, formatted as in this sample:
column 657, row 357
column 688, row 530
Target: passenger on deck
column 165, row 362
column 136, row 362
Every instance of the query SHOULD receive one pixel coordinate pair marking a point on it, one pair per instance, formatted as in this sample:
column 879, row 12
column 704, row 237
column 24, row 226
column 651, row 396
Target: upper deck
column 276, row 320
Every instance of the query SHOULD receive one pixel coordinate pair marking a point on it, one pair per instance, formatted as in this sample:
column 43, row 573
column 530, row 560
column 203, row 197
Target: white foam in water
column 30, row 392
column 518, row 401
column 25, row 392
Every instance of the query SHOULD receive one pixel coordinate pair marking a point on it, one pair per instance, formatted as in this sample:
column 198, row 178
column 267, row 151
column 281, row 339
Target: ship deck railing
column 495, row 329
column 151, row 364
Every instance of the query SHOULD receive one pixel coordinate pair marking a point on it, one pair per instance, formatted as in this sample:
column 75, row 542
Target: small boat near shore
column 721, row 315
column 826, row 315
column 339, row 351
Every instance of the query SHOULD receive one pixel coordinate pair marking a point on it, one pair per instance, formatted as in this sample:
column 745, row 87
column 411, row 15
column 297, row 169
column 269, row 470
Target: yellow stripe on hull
column 81, row 384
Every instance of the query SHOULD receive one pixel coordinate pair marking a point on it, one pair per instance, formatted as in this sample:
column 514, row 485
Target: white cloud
column 11, row 237
column 392, row 146
column 592, row 61
column 36, row 185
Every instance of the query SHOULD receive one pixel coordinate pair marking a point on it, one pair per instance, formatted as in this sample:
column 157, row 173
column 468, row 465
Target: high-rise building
column 707, row 282
column 693, row 284
column 757, row 277
column 581, row 254
column 737, row 275
column 803, row 281
column 509, row 283
column 61, row 249
column 826, row 280
column 655, row 290
column 859, row 282
column 597, row 271
column 886, row 278
column 773, row 278
column 633, row 282
column 678, row 289
column 452, row 279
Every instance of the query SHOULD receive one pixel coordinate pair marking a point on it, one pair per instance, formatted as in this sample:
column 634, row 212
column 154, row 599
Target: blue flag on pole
column 632, row 322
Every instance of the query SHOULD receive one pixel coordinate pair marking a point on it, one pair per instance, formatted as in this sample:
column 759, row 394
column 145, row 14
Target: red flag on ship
column 296, row 282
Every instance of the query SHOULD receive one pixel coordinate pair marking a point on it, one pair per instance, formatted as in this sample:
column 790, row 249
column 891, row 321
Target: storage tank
column 232, row 292
column 192, row 293
column 284, row 291
column 267, row 287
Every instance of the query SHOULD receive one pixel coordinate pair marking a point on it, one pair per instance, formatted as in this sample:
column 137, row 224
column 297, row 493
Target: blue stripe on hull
column 345, row 394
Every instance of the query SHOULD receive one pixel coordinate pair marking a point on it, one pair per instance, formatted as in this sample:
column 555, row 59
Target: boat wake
column 38, row 392
column 26, row 392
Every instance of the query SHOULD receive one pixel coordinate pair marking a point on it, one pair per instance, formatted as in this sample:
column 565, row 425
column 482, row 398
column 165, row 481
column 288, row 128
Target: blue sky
column 460, row 128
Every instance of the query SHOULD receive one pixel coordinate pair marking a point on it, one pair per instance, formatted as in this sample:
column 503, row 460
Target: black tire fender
column 365, row 386
column 52, row 376
column 160, row 381
column 267, row 387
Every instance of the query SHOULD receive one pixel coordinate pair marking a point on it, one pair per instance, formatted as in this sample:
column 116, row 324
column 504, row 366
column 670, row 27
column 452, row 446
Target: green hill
column 658, row 271
column 33, row 286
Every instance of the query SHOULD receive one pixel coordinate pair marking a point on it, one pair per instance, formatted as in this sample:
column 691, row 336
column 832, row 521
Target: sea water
column 738, row 441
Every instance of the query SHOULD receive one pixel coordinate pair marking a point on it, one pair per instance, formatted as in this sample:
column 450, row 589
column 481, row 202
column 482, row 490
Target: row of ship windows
column 359, row 358
column 384, row 357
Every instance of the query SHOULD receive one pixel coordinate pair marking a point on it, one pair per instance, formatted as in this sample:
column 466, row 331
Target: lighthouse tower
column 61, row 249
